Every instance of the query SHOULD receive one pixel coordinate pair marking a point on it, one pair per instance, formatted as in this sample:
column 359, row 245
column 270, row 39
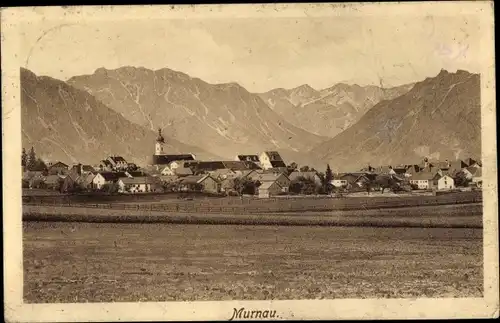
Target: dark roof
column 273, row 155
column 167, row 159
column 238, row 165
column 209, row 165
column 252, row 158
column 117, row 159
column 278, row 163
column 88, row 168
column 137, row 174
column 105, row 162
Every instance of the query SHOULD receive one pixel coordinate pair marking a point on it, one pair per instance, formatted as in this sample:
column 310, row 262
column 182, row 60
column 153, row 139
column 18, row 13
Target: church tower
column 160, row 142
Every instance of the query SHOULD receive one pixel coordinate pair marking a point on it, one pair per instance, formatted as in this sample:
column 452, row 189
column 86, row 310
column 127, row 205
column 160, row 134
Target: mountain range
column 224, row 119
column 118, row 112
column 329, row 111
column 439, row 118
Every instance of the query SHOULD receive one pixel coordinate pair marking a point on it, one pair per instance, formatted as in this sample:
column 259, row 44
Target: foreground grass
column 104, row 262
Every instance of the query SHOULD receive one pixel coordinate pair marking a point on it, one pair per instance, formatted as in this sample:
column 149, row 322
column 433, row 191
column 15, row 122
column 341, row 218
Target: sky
column 260, row 54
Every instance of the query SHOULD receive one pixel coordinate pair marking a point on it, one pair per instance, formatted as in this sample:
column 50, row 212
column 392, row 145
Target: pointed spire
column 160, row 137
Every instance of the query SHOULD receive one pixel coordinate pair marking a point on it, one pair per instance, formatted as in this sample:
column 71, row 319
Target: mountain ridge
column 225, row 119
column 67, row 124
column 438, row 118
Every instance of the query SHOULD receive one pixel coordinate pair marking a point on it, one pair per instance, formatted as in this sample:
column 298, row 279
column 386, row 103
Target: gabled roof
column 474, row 171
column 267, row 185
column 269, row 177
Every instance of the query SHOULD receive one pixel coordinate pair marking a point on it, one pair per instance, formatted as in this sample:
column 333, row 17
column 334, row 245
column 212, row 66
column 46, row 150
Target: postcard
column 249, row 162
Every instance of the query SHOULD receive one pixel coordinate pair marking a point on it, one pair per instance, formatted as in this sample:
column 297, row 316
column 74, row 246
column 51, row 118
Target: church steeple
column 160, row 141
column 160, row 137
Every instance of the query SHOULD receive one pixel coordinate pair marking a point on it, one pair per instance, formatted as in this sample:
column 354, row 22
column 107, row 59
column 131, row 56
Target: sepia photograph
column 249, row 162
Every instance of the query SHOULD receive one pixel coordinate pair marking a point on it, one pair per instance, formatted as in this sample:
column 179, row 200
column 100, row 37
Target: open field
column 456, row 215
column 104, row 262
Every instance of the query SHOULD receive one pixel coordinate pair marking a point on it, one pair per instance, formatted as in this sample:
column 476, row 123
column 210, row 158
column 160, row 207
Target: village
column 262, row 175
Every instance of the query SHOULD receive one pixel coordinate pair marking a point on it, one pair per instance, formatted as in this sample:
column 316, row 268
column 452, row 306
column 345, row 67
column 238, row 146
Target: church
column 162, row 159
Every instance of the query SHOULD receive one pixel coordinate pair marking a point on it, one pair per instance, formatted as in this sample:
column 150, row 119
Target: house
column 117, row 162
column 204, row 183
column 58, row 168
column 222, row 174
column 474, row 174
column 282, row 181
column 103, row 178
column 271, row 159
column 443, row 182
column 170, row 168
column 309, row 175
column 338, row 180
column 81, row 169
column 141, row 184
column 477, row 177
column 472, row 162
column 105, row 166
column 422, row 180
column 267, row 189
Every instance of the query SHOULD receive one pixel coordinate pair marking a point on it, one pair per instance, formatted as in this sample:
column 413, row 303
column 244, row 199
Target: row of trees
column 31, row 161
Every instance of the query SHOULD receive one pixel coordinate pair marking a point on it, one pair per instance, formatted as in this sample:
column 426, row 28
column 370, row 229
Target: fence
column 274, row 205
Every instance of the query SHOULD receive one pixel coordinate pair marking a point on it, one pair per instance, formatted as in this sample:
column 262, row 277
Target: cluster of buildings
column 427, row 175
column 182, row 172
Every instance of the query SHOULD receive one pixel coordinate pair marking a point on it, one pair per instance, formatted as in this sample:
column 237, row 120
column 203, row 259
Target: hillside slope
column 438, row 118
column 67, row 124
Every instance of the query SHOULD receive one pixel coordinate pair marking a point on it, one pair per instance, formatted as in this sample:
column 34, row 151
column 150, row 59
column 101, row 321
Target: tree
column 327, row 183
column 304, row 168
column 461, row 180
column 32, row 159
column 24, row 158
column 303, row 185
column 293, row 165
column 244, row 186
